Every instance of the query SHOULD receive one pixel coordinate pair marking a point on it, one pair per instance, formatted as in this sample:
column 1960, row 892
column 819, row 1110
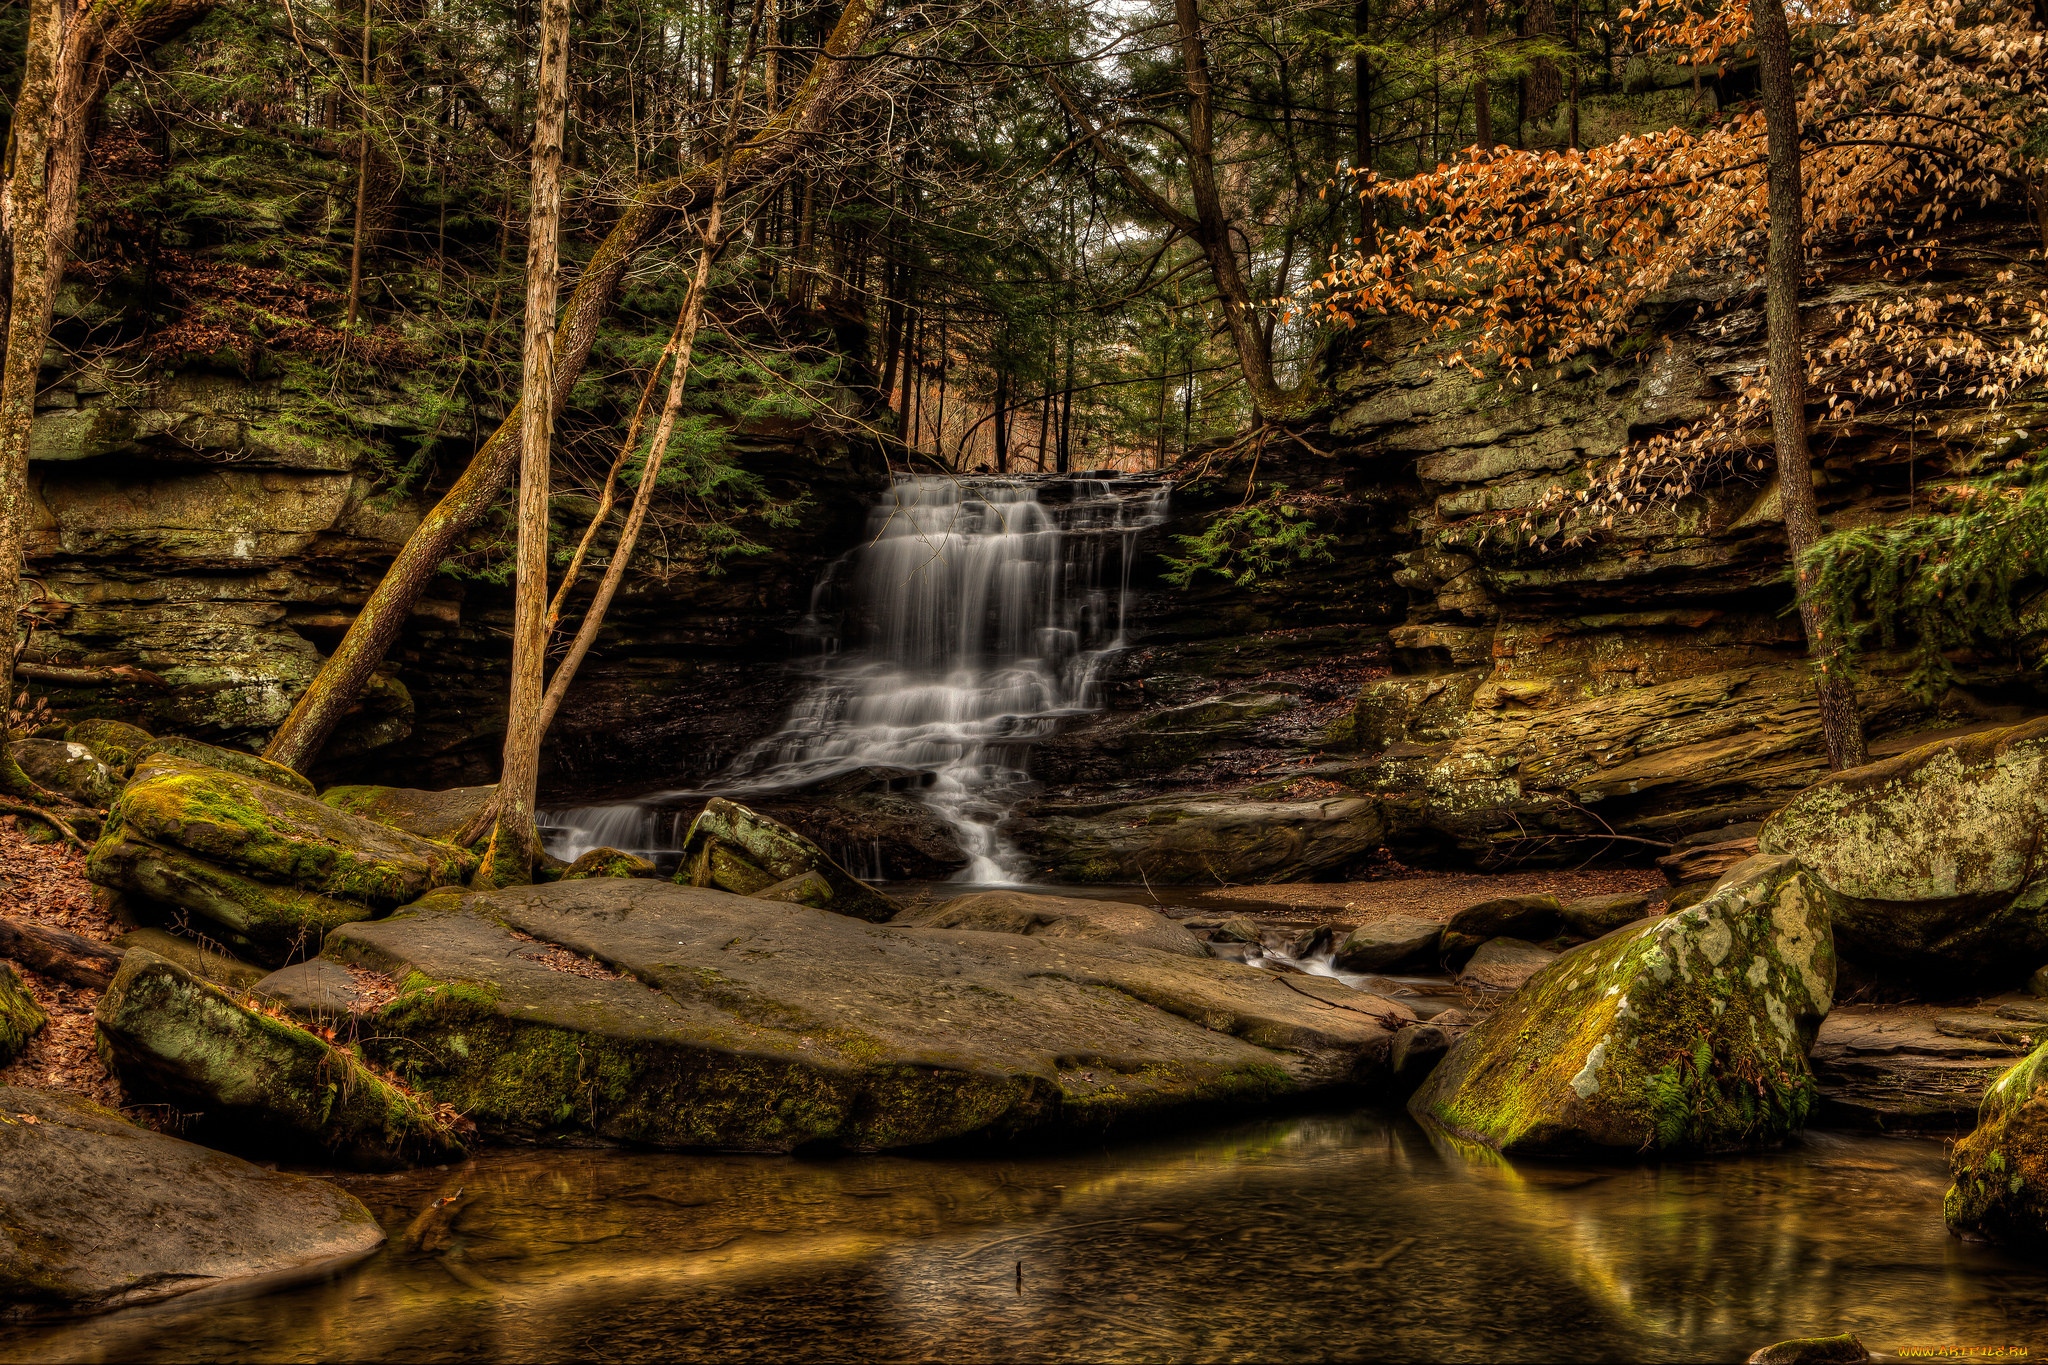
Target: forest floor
column 45, row 884
column 1425, row 895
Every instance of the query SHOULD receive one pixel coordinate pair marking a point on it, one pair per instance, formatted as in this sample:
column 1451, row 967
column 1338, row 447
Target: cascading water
column 975, row 618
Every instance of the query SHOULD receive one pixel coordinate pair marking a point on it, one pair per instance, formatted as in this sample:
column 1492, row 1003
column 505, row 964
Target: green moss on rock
column 1688, row 1034
column 21, row 1018
column 2001, row 1169
column 744, row 852
column 261, row 1083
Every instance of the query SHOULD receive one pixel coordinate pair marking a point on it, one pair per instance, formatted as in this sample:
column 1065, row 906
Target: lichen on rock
column 1689, row 1033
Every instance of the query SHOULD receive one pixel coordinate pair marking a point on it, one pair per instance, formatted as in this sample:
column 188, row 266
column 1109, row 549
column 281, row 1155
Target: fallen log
column 84, row 675
column 68, row 957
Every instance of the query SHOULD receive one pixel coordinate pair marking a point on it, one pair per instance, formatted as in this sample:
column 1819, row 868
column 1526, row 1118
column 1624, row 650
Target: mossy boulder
column 1687, row 1033
column 1389, row 942
column 676, row 1016
column 271, row 924
column 273, row 868
column 1023, row 912
column 71, row 769
column 122, row 747
column 115, row 743
column 1935, row 854
column 262, row 1085
column 438, row 815
column 101, row 1214
column 200, row 959
column 738, row 850
column 2001, row 1169
column 612, row 862
column 21, row 1018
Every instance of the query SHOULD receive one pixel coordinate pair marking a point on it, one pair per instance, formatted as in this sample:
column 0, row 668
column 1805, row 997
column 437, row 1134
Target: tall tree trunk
column 1002, row 432
column 70, row 59
column 334, row 691
column 1542, row 88
column 1361, row 146
column 513, row 846
column 1482, row 78
column 1841, row 724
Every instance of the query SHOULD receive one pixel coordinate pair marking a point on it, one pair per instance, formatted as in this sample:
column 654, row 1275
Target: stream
column 1347, row 1236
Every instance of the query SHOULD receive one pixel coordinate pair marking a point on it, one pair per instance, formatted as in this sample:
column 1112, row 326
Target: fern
column 1252, row 542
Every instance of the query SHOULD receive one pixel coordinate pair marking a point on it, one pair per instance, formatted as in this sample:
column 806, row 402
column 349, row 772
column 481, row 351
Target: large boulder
column 260, row 1084
column 275, row 870
column 2000, row 1170
column 1687, row 1033
column 1388, row 942
column 1022, row 912
column 1936, row 854
column 438, row 815
column 742, row 851
column 1206, row 838
column 101, row 1214
column 678, row 1016
column 885, row 833
column 71, row 769
column 21, row 1018
column 1523, row 917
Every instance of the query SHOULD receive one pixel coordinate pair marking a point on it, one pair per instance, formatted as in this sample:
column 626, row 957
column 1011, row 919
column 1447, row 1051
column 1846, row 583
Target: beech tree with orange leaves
column 1906, row 115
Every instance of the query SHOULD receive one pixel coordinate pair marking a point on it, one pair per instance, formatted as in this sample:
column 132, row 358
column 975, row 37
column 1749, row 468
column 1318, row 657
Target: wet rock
column 1503, row 964
column 1417, row 1050
column 1840, row 1350
column 262, row 1085
column 221, row 968
column 607, row 862
column 102, row 1214
column 2000, row 1170
column 1384, row 944
column 1688, row 1033
column 1896, row 1069
column 1238, row 930
column 1035, row 916
column 273, row 868
column 738, row 850
column 21, row 1018
column 1525, row 917
column 896, row 836
column 1934, row 853
column 61, row 766
column 438, row 815
column 736, row 1024
column 1205, row 838
column 1598, row 915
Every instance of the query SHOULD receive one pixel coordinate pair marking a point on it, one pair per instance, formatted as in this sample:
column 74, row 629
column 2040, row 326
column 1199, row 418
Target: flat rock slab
column 101, row 1214
column 1504, row 964
column 1914, row 1067
column 1021, row 912
column 686, row 1017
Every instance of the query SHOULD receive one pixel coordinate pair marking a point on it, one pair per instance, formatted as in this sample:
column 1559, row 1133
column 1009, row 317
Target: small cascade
column 973, row 620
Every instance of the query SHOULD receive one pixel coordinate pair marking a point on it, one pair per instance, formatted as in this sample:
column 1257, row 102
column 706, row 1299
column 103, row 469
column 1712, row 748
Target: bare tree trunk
column 1482, row 94
column 513, row 845
column 1840, row 722
column 1361, row 147
column 355, row 255
column 333, row 692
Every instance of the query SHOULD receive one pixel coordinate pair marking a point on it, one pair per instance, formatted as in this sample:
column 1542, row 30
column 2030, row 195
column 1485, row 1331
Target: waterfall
column 972, row 620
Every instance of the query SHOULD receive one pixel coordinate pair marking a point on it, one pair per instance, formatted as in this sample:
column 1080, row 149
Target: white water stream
column 972, row 620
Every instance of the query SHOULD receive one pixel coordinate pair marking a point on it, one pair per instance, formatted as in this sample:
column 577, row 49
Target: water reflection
column 1356, row 1237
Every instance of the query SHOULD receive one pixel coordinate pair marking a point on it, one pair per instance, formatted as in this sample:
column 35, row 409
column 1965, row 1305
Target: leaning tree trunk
column 1841, row 724
column 341, row 679
column 513, row 846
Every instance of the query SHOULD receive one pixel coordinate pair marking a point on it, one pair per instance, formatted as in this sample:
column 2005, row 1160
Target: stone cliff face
column 201, row 527
column 1493, row 701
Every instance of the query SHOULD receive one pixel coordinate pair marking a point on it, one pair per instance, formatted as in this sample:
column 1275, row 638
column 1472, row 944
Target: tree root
column 9, row 806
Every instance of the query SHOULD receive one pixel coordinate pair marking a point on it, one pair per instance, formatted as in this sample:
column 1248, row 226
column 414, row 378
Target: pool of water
column 1332, row 1237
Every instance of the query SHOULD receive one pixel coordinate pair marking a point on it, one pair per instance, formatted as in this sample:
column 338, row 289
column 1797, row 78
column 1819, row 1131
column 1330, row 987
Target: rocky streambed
column 321, row 980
